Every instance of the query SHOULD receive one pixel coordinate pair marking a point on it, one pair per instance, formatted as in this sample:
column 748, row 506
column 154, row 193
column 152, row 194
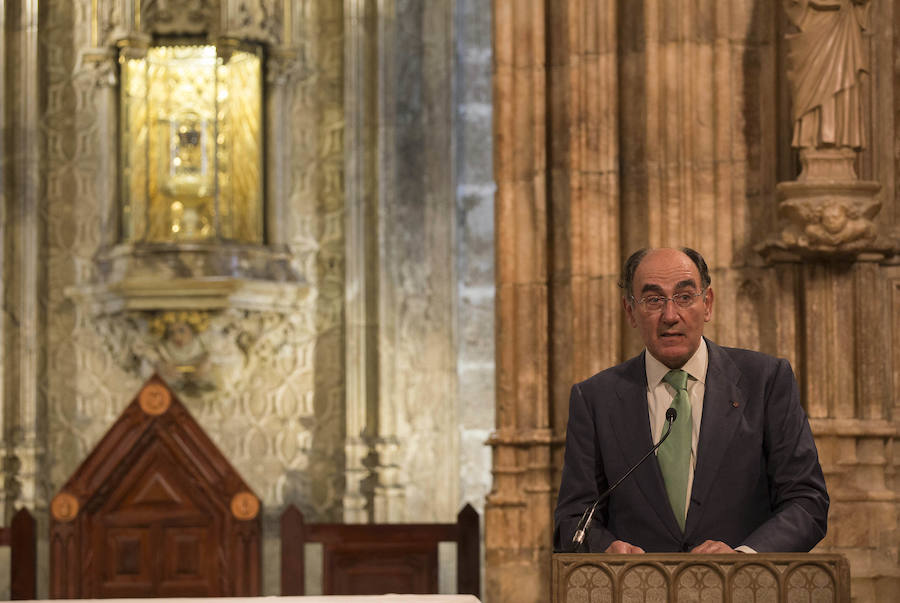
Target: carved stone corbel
column 103, row 68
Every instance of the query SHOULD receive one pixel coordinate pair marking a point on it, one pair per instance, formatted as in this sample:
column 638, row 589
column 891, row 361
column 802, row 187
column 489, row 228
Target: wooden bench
column 374, row 559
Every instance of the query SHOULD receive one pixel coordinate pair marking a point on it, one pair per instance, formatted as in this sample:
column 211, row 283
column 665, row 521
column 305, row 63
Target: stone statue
column 825, row 60
column 828, row 212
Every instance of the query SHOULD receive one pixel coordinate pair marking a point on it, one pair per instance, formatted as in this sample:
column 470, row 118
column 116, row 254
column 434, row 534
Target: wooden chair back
column 20, row 538
column 375, row 559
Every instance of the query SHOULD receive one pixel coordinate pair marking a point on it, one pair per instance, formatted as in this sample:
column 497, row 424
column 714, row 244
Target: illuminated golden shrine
column 191, row 144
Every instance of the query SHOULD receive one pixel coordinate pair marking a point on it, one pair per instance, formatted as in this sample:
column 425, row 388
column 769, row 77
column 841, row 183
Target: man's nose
column 670, row 311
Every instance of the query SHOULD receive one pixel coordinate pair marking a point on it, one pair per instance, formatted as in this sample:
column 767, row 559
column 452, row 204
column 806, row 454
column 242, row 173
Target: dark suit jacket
column 757, row 479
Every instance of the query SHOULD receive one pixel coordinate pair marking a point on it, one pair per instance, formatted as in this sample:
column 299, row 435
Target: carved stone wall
column 22, row 216
column 668, row 123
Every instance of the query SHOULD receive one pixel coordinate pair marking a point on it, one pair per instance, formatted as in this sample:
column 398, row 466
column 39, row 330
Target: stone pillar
column 401, row 283
column 418, row 433
column 557, row 247
column 361, row 322
column 517, row 512
column 584, row 226
column 680, row 155
column 23, row 282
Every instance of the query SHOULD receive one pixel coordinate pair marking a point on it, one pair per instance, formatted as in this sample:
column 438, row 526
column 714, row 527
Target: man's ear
column 708, row 304
column 629, row 312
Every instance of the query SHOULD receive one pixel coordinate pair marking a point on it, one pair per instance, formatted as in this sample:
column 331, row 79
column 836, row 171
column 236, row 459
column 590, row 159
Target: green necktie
column 674, row 456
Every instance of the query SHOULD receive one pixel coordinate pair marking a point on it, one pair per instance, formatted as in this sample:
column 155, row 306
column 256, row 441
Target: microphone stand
column 588, row 516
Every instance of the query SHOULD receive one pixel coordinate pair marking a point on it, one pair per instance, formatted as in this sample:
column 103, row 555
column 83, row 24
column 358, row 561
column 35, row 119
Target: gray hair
column 634, row 260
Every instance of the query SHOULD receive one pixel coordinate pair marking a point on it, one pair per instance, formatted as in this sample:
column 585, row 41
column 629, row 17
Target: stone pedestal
column 827, row 212
column 830, row 217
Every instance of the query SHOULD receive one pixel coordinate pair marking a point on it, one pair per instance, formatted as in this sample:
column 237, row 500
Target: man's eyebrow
column 686, row 283
column 680, row 285
column 651, row 287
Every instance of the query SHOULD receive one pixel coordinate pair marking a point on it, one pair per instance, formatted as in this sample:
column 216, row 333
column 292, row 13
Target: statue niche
column 828, row 211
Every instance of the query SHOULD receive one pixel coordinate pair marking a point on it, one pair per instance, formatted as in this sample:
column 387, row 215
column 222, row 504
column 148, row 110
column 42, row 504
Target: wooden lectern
column 685, row 577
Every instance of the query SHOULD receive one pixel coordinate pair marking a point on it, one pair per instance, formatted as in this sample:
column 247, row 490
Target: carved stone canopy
column 267, row 21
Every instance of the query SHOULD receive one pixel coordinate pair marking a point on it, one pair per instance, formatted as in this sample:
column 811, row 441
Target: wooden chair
column 20, row 538
column 373, row 559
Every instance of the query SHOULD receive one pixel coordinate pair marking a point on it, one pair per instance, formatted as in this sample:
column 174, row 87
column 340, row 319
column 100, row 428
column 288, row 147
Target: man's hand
column 712, row 546
column 623, row 548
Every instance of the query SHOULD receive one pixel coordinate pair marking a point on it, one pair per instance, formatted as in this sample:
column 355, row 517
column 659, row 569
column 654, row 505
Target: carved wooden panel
column 154, row 511
column 687, row 577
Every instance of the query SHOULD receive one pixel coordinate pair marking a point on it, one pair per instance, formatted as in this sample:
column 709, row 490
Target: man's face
column 671, row 334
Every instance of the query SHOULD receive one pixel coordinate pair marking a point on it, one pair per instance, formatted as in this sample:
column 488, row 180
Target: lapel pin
column 735, row 404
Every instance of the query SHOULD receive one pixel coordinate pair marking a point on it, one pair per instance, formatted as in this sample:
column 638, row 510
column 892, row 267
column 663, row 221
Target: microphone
column 588, row 516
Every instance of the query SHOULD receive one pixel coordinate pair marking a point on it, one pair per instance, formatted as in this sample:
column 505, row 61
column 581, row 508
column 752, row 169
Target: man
column 740, row 469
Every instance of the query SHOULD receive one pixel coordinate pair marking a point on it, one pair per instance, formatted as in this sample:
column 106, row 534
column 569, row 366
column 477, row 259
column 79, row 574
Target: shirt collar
column 695, row 366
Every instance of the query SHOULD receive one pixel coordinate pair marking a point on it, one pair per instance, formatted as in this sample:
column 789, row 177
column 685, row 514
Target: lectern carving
column 687, row 577
column 155, row 510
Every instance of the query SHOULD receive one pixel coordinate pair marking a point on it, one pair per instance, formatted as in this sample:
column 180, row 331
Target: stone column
column 401, row 281
column 584, row 225
column 361, row 322
column 418, row 404
column 557, row 246
column 23, row 288
column 849, row 312
column 517, row 512
column 681, row 151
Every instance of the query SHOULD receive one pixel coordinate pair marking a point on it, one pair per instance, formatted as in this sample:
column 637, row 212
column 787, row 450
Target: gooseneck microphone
column 588, row 516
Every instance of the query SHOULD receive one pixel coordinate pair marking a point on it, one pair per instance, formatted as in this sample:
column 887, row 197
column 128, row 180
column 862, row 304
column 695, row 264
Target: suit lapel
column 720, row 418
column 632, row 427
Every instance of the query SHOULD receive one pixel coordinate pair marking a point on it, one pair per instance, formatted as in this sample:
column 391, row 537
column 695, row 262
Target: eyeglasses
column 655, row 303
